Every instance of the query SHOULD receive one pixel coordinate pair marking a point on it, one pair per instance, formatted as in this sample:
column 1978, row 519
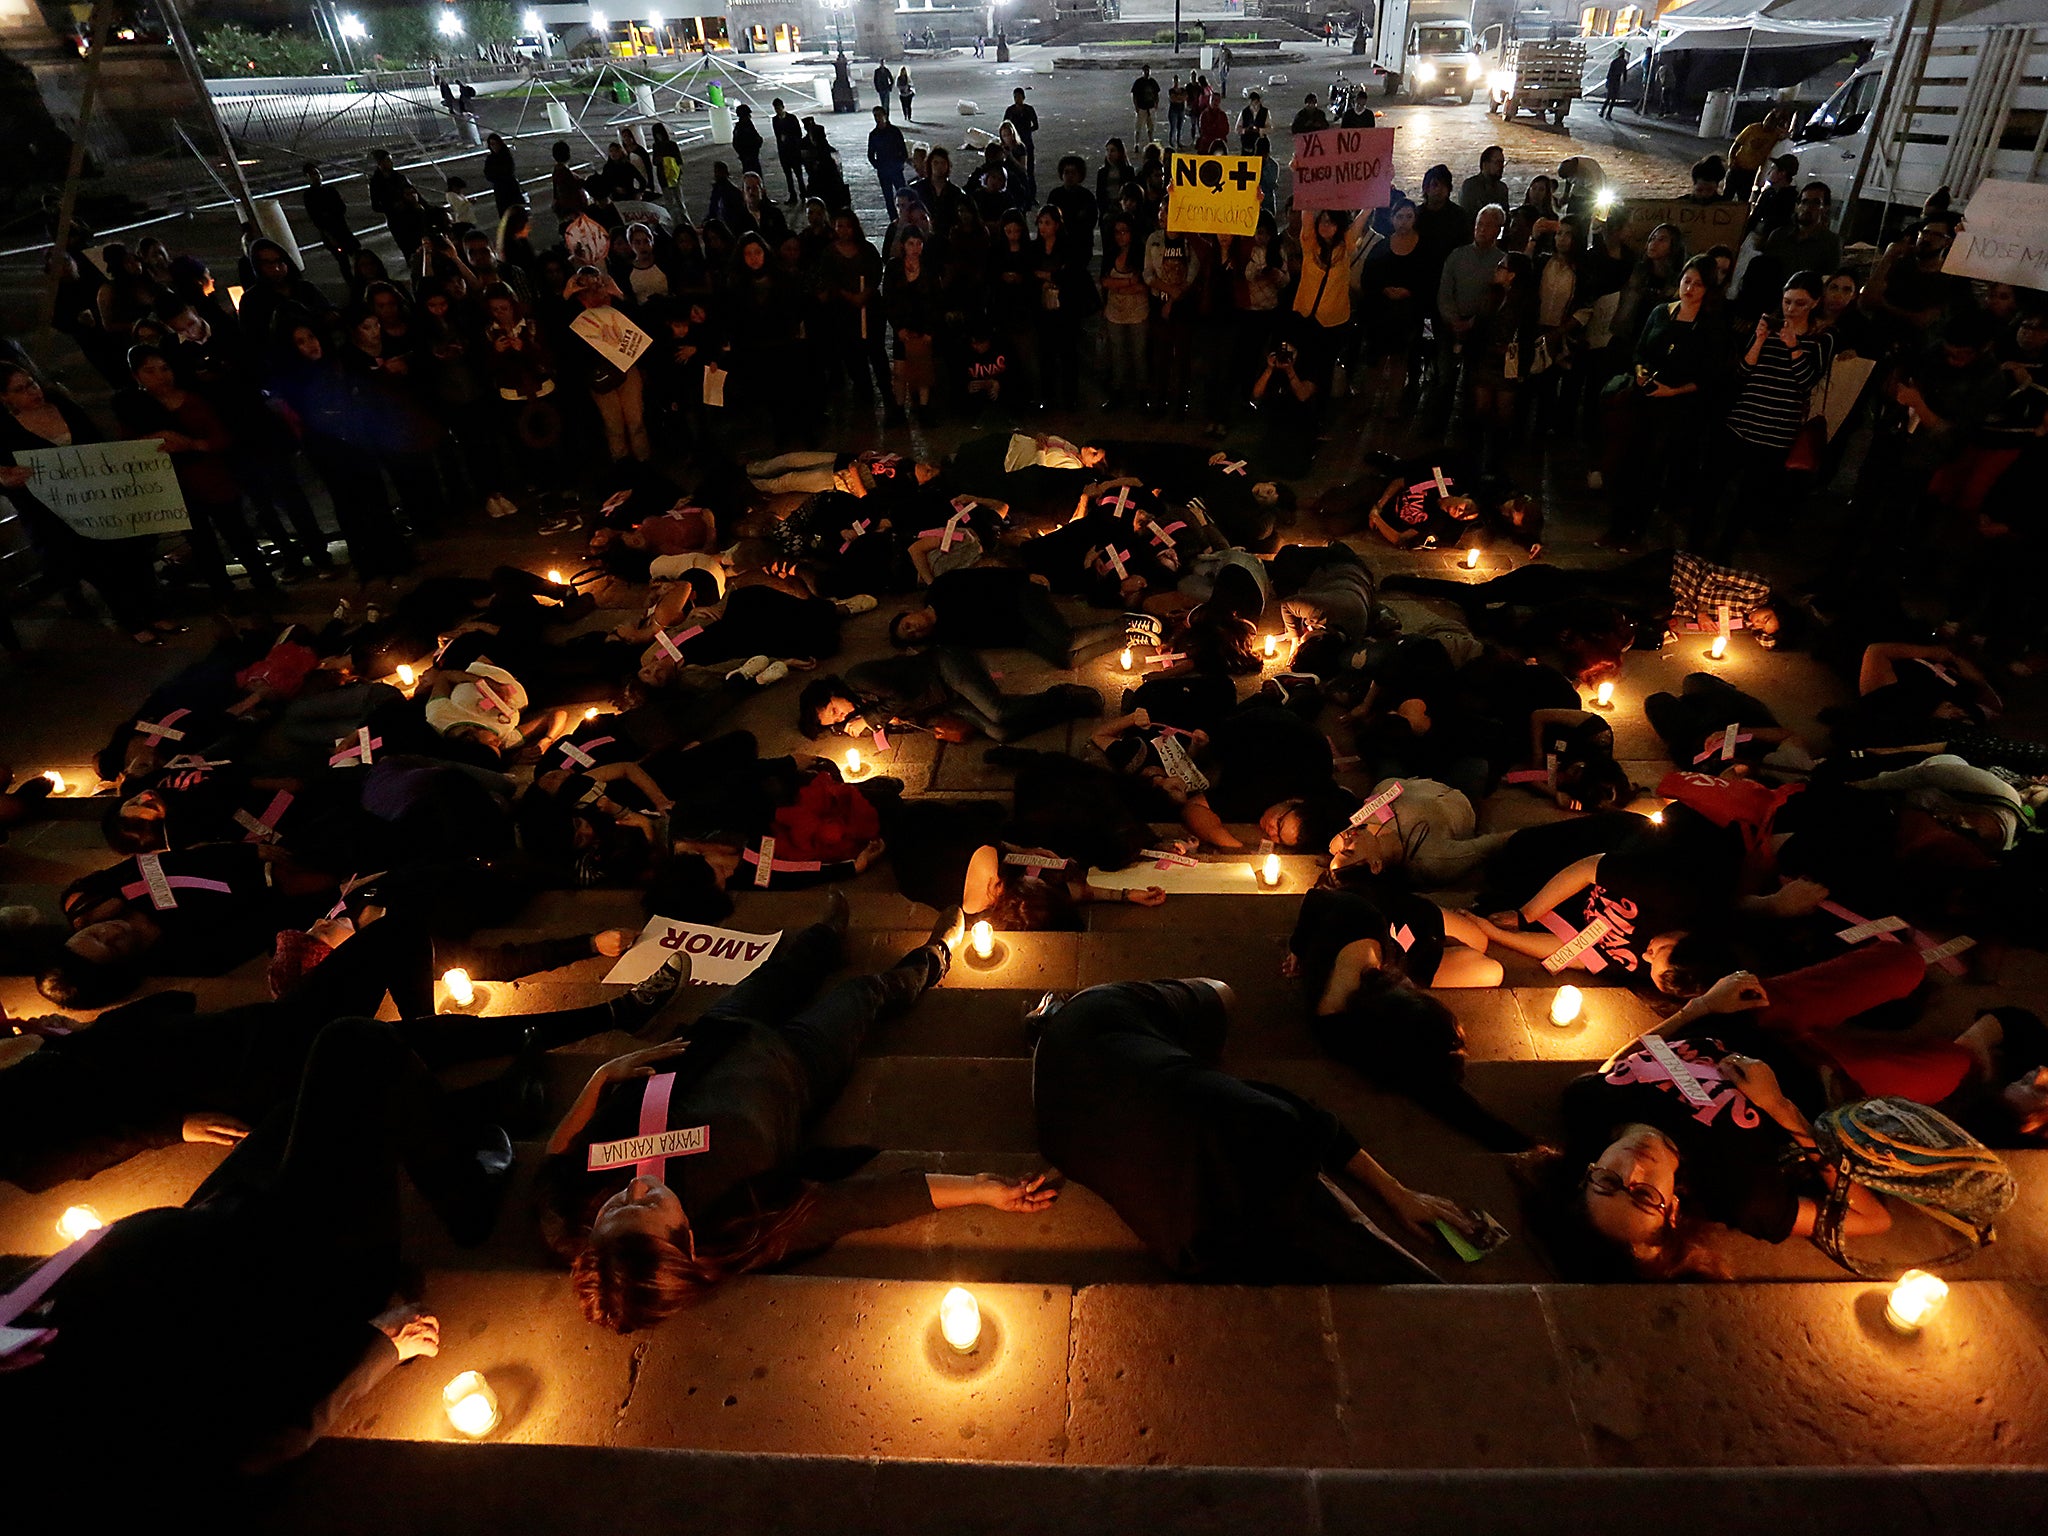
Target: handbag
column 1804, row 456
column 1915, row 1154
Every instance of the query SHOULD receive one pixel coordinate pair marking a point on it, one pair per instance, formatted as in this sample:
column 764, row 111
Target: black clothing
column 932, row 843
column 1221, row 1178
column 1332, row 919
column 1262, row 755
column 773, row 1061
column 1735, row 1162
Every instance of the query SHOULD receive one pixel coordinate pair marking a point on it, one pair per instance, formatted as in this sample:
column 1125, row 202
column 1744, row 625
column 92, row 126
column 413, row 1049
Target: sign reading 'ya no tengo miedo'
column 1213, row 195
column 1344, row 168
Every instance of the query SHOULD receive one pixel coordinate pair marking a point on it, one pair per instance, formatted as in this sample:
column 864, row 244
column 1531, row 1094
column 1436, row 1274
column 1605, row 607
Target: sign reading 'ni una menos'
column 1344, row 168
column 1213, row 195
column 108, row 490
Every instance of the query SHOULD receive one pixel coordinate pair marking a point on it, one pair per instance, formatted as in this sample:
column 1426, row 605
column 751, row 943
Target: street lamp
column 654, row 26
column 352, row 31
column 838, row 40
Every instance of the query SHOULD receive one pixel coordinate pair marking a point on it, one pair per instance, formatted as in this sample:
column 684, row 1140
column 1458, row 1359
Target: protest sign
column 2004, row 238
column 1214, row 195
column 1344, row 168
column 718, row 956
column 589, row 242
column 108, row 490
column 617, row 340
column 1702, row 226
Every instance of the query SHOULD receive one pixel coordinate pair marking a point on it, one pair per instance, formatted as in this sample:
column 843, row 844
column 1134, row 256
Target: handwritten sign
column 612, row 336
column 2004, row 238
column 1213, row 195
column 718, row 956
column 108, row 490
column 1701, row 226
column 1344, row 168
column 589, row 242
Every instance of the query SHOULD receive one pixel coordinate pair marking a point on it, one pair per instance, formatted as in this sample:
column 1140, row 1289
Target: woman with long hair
column 1499, row 352
column 1644, row 1169
column 912, row 302
column 1127, row 316
column 645, row 1237
column 1656, row 417
column 119, row 569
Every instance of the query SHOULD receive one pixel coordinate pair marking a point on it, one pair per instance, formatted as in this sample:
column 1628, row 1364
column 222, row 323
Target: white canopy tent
column 1761, row 24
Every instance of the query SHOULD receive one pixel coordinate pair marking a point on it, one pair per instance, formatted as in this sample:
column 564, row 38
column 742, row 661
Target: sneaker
column 751, row 668
column 774, row 672
column 559, row 522
column 644, row 1001
column 860, row 602
column 498, row 505
column 837, row 914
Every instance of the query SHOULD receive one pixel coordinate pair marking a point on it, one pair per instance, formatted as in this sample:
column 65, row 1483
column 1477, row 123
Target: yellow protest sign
column 1213, row 195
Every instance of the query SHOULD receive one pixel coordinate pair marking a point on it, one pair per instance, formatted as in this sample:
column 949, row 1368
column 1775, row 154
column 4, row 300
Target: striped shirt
column 1773, row 400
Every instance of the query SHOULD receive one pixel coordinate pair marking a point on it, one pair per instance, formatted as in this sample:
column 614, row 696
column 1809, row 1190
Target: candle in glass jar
column 1472, row 558
column 461, row 990
column 1719, row 648
column 1272, row 645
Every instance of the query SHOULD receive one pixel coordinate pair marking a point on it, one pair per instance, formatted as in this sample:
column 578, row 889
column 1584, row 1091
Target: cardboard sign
column 1213, row 195
column 612, row 336
column 1344, row 168
column 2004, row 238
column 718, row 956
column 589, row 243
column 108, row 490
column 1702, row 226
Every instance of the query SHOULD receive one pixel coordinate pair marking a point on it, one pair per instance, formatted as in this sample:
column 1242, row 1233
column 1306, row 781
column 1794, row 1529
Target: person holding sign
column 678, row 1167
column 120, row 570
column 1322, row 299
column 611, row 346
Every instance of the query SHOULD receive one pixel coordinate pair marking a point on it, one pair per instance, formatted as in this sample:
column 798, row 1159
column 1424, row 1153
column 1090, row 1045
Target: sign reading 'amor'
column 718, row 956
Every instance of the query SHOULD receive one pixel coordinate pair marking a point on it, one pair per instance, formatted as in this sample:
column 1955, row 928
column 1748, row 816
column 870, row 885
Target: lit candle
column 1472, row 558
column 1272, row 645
column 1656, row 818
column 406, row 676
column 56, row 781
column 960, row 1318
column 853, row 761
column 78, row 1220
column 1124, row 660
column 984, row 941
column 590, row 713
column 1916, row 1296
column 1719, row 648
column 1564, row 1008
column 1271, row 873
column 472, row 1405
column 460, row 990
column 1604, row 699
column 235, row 295
column 555, row 576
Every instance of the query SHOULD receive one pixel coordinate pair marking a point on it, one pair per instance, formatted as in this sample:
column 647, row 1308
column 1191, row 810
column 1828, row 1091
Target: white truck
column 1426, row 49
column 1967, row 102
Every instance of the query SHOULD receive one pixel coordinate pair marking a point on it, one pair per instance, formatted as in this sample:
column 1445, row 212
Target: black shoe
column 475, row 1192
column 1084, row 701
column 837, row 913
column 1037, row 1013
column 641, row 1008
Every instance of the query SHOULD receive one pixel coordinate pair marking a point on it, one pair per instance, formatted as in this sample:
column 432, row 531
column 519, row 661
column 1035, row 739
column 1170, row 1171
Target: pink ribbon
column 26, row 1296
column 1527, row 776
column 140, row 888
column 783, row 866
column 1591, row 958
column 365, row 746
column 1921, row 940
column 1720, row 747
column 859, row 531
column 580, row 755
column 654, row 1120
column 164, row 729
column 264, row 828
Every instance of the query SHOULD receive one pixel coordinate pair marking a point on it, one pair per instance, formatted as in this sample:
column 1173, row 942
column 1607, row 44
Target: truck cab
column 1426, row 48
column 1832, row 142
column 1443, row 60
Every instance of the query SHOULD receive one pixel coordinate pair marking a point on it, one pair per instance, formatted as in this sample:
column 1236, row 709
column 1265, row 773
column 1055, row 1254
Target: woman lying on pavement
column 682, row 1165
column 1223, row 1179
column 1363, row 957
column 1701, row 1120
column 243, row 1322
column 153, row 1072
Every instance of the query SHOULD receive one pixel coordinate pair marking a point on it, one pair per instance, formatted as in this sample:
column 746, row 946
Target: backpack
column 1919, row 1155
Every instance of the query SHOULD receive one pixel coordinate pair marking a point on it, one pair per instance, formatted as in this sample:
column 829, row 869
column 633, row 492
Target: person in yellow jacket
column 1753, row 148
column 1322, row 299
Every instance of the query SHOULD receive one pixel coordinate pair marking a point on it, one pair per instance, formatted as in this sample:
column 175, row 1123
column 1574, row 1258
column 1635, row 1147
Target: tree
column 490, row 21
column 229, row 49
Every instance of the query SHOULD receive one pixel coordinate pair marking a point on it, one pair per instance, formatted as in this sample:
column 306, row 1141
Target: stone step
column 425, row 1488
column 1501, row 1376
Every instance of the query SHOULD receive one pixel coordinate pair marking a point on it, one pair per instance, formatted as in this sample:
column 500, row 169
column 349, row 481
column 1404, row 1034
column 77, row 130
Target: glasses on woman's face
column 1605, row 1181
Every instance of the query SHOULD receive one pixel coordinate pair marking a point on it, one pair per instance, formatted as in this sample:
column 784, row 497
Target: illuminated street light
column 353, row 29
column 448, row 24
